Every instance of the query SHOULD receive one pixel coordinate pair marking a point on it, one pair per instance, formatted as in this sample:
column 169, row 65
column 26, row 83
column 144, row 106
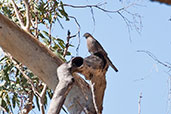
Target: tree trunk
column 43, row 63
column 66, row 81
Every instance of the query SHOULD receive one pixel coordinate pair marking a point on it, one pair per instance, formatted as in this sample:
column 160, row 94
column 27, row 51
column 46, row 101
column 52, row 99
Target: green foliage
column 6, row 9
column 49, row 11
column 57, row 45
column 14, row 88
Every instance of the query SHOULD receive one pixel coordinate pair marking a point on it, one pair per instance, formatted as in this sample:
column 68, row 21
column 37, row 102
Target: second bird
column 94, row 46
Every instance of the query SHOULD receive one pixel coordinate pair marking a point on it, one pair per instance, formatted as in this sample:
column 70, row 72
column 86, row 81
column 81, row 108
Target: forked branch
column 135, row 22
column 19, row 16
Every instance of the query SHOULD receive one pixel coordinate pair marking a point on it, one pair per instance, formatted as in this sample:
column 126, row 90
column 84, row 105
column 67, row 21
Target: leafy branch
column 35, row 91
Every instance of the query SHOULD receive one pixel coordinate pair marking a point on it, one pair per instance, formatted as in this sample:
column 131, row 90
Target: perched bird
column 94, row 47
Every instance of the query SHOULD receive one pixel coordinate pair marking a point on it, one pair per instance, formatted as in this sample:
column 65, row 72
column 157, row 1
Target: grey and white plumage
column 94, row 47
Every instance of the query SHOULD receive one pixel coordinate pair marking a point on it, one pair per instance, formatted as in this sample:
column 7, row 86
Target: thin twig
column 139, row 104
column 36, row 25
column 155, row 58
column 27, row 27
column 84, row 6
column 98, row 7
column 134, row 23
column 41, row 98
column 60, row 23
column 120, row 11
column 18, row 14
column 169, row 93
column 50, row 36
column 78, row 32
column 2, row 109
column 43, row 92
column 147, row 75
column 128, row 25
column 67, row 43
column 93, row 96
column 94, row 21
column 36, row 22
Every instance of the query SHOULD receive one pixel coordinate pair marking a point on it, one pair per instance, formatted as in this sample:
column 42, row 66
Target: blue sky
column 124, row 87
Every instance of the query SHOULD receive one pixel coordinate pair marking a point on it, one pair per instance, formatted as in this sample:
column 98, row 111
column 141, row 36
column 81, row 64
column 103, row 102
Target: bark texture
column 43, row 63
column 65, row 83
column 94, row 69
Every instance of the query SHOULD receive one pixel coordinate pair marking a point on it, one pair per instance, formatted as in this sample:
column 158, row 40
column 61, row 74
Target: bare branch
column 94, row 96
column 27, row 27
column 78, row 32
column 155, row 58
column 50, row 36
column 84, row 6
column 130, row 23
column 41, row 98
column 98, row 6
column 60, row 23
column 36, row 26
column 36, row 22
column 169, row 94
column 135, row 16
column 139, row 104
column 17, row 14
column 94, row 21
column 67, row 44
column 2, row 109
column 43, row 92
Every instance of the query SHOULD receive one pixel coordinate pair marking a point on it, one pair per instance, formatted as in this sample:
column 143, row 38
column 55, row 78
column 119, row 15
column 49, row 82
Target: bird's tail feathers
column 111, row 64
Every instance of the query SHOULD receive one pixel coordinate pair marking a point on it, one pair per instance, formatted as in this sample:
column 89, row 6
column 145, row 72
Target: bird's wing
column 100, row 48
